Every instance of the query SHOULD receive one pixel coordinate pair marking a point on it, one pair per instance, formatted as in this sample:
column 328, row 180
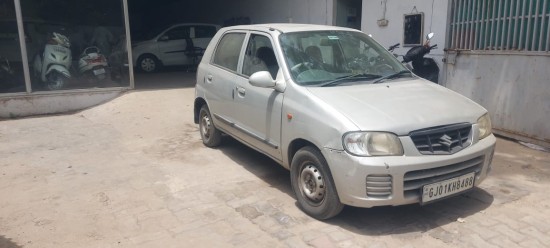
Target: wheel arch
column 147, row 55
column 296, row 145
column 199, row 102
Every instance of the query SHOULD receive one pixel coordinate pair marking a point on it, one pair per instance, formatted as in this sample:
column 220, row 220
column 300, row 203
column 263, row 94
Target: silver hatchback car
column 349, row 121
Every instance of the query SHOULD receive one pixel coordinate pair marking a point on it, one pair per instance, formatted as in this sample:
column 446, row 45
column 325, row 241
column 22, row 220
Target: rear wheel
column 313, row 184
column 210, row 135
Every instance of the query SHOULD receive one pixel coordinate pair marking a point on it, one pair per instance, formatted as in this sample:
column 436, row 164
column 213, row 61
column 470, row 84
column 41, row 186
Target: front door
column 258, row 110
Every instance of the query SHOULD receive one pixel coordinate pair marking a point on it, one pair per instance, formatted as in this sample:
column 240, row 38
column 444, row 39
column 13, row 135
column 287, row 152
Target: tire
column 313, row 184
column 148, row 63
column 55, row 81
column 210, row 135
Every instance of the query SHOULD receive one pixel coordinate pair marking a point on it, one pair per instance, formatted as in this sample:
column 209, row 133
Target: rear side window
column 228, row 50
column 205, row 31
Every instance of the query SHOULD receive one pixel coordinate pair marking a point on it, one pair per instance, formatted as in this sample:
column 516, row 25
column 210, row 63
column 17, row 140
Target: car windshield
column 331, row 58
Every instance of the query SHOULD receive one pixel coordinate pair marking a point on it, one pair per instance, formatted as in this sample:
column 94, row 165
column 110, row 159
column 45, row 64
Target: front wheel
column 148, row 63
column 210, row 135
column 313, row 184
column 55, row 81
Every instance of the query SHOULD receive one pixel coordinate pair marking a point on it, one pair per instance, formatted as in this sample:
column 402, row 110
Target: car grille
column 442, row 140
column 413, row 181
column 379, row 186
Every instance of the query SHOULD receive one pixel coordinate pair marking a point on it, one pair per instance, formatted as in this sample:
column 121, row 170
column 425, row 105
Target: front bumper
column 398, row 180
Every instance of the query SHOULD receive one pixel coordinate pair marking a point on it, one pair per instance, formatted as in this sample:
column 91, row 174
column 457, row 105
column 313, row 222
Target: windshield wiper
column 390, row 76
column 344, row 78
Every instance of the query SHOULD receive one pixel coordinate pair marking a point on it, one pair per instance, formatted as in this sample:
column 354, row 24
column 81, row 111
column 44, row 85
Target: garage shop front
column 59, row 56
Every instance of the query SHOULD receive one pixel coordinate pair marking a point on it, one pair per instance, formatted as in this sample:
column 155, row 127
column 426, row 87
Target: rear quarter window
column 228, row 50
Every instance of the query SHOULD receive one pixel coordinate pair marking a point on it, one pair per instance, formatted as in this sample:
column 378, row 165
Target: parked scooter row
column 52, row 66
column 423, row 67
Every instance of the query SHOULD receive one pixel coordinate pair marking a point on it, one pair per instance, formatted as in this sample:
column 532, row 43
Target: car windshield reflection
column 321, row 58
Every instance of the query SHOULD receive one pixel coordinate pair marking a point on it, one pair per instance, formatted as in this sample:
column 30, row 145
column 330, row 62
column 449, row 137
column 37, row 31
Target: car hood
column 399, row 106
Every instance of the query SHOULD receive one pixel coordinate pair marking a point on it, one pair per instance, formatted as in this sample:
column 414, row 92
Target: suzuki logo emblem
column 446, row 140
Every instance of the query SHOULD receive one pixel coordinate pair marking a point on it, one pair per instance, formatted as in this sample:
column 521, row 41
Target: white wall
column 373, row 10
column 513, row 88
column 52, row 103
column 269, row 11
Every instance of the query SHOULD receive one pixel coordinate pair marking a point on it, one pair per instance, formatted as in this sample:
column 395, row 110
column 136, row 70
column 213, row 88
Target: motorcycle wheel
column 55, row 81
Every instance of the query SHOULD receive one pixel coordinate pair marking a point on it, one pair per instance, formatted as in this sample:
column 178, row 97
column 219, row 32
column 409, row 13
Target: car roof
column 288, row 27
column 192, row 24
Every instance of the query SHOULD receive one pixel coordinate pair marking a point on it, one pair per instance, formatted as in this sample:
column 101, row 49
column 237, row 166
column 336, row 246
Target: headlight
column 484, row 125
column 372, row 144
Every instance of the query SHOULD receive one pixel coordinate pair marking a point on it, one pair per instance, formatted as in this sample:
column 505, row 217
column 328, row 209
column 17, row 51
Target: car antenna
column 274, row 29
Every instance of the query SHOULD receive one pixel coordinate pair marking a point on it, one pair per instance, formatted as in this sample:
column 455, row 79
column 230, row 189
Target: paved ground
column 134, row 173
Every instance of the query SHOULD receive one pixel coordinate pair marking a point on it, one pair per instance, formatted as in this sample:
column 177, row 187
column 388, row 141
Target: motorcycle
column 92, row 64
column 52, row 65
column 424, row 67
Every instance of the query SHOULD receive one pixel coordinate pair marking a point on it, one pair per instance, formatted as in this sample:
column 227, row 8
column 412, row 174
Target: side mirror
column 429, row 36
column 262, row 79
column 164, row 38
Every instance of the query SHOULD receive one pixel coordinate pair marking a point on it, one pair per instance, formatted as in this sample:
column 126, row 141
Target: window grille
column 505, row 25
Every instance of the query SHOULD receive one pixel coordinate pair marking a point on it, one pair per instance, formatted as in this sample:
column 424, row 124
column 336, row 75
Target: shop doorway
column 348, row 13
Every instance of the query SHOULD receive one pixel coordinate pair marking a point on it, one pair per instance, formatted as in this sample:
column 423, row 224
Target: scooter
column 424, row 67
column 52, row 66
column 6, row 74
column 92, row 64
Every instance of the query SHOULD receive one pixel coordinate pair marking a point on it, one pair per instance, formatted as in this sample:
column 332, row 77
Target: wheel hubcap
column 205, row 126
column 148, row 64
column 312, row 184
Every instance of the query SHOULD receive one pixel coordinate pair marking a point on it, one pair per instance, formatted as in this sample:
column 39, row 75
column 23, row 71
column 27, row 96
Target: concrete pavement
column 134, row 173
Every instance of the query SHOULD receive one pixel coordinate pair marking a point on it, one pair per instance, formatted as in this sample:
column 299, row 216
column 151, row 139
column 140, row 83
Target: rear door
column 220, row 79
column 172, row 45
column 202, row 35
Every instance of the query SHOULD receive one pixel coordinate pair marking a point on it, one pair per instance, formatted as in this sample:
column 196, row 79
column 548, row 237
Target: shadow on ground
column 367, row 221
column 7, row 243
column 168, row 78
column 258, row 164
column 412, row 218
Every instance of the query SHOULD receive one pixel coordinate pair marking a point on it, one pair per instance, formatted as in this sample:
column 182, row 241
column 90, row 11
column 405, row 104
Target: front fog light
column 372, row 144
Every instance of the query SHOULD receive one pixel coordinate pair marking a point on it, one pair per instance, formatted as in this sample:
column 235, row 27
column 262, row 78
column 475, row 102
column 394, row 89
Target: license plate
column 99, row 71
column 434, row 191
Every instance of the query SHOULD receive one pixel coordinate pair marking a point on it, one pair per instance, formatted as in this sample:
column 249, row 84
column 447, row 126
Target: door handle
column 241, row 91
column 209, row 78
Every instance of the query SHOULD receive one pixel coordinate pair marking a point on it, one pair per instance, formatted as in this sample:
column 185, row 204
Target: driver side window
column 260, row 56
